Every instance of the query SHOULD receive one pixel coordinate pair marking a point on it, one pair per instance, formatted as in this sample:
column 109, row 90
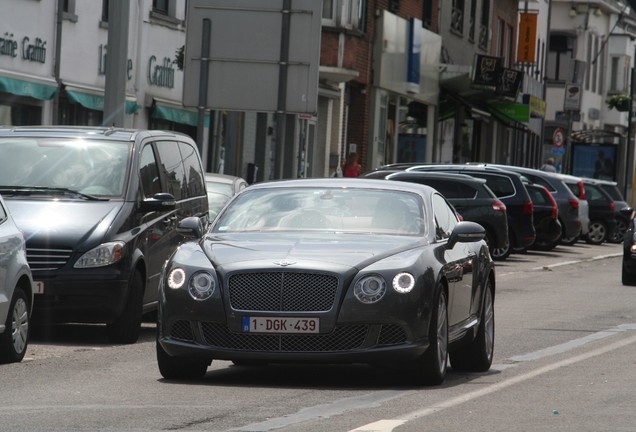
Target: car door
column 458, row 263
column 158, row 241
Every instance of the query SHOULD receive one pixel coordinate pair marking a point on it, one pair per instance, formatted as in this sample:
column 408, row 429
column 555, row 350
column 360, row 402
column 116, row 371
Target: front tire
column 619, row 231
column 179, row 368
column 127, row 327
column 14, row 340
column 430, row 368
column 628, row 278
column 477, row 356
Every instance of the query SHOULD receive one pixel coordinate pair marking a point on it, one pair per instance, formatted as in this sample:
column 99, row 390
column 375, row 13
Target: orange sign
column 527, row 38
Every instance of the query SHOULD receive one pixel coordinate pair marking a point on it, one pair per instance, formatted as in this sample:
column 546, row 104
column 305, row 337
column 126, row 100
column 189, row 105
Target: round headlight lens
column 201, row 286
column 370, row 289
column 176, row 278
column 403, row 282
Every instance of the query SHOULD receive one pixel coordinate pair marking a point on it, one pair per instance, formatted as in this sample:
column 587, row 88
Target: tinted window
column 613, row 192
column 172, row 168
column 451, row 189
column 594, row 193
column 445, row 218
column 3, row 214
column 537, row 195
column 193, row 170
column 149, row 172
column 501, row 185
column 540, row 181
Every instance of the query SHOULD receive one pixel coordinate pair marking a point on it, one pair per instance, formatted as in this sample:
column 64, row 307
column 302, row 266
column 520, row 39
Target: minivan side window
column 149, row 172
column 193, row 170
column 172, row 168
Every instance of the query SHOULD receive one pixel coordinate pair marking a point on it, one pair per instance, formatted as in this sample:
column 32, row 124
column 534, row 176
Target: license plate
column 38, row 287
column 280, row 325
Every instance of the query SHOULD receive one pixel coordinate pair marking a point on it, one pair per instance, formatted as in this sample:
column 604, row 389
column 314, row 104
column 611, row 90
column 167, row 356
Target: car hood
column 328, row 251
column 67, row 223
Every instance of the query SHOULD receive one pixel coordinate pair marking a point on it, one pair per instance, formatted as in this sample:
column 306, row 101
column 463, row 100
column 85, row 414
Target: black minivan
column 99, row 209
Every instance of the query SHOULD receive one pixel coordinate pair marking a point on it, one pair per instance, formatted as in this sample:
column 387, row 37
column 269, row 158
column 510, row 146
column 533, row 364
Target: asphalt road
column 565, row 352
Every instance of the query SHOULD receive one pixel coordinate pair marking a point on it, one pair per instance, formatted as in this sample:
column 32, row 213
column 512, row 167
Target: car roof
column 599, row 182
column 344, row 182
column 86, row 132
column 437, row 175
column 222, row 178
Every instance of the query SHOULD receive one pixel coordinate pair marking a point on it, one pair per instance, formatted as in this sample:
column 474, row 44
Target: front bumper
column 351, row 343
column 100, row 299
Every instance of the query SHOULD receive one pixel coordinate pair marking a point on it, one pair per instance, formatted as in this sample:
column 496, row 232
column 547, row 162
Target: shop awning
column 93, row 100
column 27, row 88
column 176, row 114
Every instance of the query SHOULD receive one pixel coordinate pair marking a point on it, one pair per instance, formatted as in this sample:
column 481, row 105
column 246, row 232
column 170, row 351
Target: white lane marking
column 570, row 345
column 502, row 385
column 325, row 411
column 563, row 263
column 380, row 426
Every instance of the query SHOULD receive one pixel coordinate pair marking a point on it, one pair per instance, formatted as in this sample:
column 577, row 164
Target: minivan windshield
column 90, row 167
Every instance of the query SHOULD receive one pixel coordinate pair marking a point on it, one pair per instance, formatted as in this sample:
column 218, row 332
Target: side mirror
column 190, row 227
column 466, row 232
column 159, row 202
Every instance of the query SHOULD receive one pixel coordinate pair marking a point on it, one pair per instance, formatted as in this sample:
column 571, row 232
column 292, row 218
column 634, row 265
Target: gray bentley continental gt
column 330, row 271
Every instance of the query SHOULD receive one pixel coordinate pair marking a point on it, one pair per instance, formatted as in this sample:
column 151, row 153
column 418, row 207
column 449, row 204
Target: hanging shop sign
column 510, row 83
column 486, row 71
column 527, row 47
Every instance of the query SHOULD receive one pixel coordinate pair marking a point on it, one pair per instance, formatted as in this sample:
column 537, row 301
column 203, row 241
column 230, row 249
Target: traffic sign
column 558, row 137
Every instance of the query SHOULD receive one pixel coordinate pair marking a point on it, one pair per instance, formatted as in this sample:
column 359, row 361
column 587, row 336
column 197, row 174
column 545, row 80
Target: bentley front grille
column 343, row 338
column 282, row 291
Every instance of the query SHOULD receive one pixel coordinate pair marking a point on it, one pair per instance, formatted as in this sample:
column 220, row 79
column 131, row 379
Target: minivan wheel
column 13, row 342
column 126, row 328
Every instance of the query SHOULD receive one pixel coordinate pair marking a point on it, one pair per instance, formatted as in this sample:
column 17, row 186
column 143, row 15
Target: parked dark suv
column 603, row 212
column 567, row 202
column 470, row 196
column 99, row 209
column 623, row 210
column 509, row 188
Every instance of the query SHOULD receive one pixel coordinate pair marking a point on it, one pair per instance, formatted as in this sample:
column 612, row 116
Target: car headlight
column 176, row 278
column 103, row 255
column 403, row 282
column 201, row 286
column 370, row 289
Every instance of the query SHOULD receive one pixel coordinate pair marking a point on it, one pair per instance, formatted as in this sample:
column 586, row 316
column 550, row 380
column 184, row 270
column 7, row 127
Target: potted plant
column 620, row 102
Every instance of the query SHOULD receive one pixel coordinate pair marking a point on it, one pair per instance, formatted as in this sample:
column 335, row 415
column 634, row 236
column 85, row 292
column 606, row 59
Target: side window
column 172, row 168
column 540, row 181
column 3, row 214
column 445, row 218
column 193, row 170
column 500, row 185
column 149, row 172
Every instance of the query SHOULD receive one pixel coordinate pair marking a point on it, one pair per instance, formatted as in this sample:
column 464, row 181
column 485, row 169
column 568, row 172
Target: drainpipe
column 58, row 58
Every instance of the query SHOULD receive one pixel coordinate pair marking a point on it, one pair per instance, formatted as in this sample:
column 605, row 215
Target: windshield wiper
column 36, row 190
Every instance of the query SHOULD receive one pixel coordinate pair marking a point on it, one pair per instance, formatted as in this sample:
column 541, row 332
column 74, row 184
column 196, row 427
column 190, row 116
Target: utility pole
column 116, row 59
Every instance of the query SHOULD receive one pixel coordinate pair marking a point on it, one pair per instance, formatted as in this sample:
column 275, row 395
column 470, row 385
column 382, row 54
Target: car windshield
column 324, row 209
column 218, row 195
column 94, row 168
